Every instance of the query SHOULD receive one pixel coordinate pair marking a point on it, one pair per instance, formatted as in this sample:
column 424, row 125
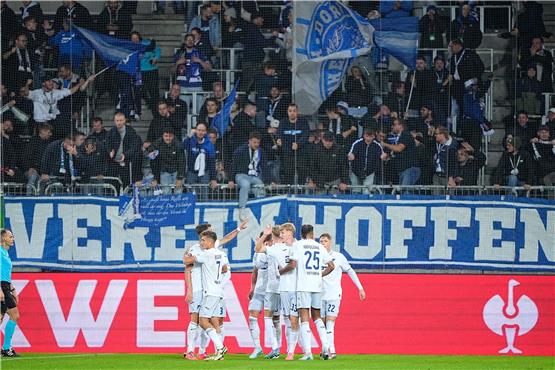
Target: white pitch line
column 55, row 356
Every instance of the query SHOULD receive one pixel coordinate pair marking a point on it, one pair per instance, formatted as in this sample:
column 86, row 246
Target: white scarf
column 25, row 9
column 27, row 61
column 200, row 164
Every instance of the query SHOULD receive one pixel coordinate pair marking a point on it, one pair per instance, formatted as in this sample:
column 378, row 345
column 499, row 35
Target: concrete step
column 160, row 27
column 499, row 90
column 496, row 138
column 493, row 159
column 499, row 113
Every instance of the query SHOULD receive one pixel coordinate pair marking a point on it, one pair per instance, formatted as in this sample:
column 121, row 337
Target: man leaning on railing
column 168, row 164
column 248, row 170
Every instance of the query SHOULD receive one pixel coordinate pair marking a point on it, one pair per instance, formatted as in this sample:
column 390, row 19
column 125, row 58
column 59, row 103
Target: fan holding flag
column 221, row 120
column 124, row 55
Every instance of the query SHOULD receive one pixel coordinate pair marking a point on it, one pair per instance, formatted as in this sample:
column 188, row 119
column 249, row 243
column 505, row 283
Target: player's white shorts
column 194, row 306
column 330, row 308
column 309, row 299
column 272, row 302
column 289, row 303
column 257, row 302
column 220, row 312
column 210, row 306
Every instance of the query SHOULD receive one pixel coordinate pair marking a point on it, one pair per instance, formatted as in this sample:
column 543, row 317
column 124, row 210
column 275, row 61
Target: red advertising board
column 403, row 314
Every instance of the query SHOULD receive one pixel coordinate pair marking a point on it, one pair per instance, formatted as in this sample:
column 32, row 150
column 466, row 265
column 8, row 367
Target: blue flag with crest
column 330, row 35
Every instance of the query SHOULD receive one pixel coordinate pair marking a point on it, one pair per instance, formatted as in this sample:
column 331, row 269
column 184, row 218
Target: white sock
column 292, row 340
column 192, row 333
column 330, row 326
column 255, row 331
column 277, row 325
column 203, row 340
column 323, row 334
column 300, row 337
column 306, row 336
column 222, row 335
column 215, row 338
column 270, row 332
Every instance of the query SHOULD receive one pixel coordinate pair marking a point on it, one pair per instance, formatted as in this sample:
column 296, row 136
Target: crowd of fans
column 426, row 129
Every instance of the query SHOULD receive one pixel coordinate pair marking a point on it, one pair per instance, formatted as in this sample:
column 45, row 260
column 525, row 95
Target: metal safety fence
column 112, row 187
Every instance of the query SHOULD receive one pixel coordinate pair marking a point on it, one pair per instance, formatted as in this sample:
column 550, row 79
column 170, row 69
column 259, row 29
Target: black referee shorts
column 9, row 300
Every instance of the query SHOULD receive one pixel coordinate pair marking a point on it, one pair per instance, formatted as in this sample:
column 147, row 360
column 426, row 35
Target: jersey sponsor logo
column 505, row 318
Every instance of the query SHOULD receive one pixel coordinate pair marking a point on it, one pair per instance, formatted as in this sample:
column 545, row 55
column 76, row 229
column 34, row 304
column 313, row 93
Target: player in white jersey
column 193, row 297
column 307, row 258
column 259, row 282
column 272, row 302
column 213, row 266
column 331, row 294
column 288, row 289
column 221, row 311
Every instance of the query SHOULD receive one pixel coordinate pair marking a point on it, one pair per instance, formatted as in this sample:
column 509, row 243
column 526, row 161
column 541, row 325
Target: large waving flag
column 221, row 120
column 329, row 35
column 399, row 37
column 122, row 53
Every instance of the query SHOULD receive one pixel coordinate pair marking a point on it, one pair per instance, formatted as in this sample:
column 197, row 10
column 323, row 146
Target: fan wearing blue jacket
column 200, row 158
column 71, row 50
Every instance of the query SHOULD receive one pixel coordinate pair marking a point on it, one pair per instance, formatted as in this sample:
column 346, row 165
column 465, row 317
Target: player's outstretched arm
column 232, row 235
column 329, row 268
column 354, row 277
column 259, row 246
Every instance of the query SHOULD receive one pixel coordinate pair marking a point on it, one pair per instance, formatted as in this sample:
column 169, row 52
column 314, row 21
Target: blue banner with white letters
column 373, row 232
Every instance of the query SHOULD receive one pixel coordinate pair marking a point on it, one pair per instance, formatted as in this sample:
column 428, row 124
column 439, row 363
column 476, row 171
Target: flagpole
column 410, row 94
column 102, row 71
column 294, row 52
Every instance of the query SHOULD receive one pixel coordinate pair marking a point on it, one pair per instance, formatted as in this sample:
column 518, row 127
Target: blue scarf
column 63, row 166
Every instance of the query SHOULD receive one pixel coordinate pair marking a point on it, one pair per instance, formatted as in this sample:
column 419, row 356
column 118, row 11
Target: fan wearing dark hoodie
column 33, row 154
column 365, row 159
column 93, row 165
column 169, row 165
column 515, row 166
column 470, row 163
column 542, row 148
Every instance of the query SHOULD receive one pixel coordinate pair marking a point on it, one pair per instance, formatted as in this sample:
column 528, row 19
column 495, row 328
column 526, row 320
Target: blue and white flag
column 329, row 35
column 122, row 53
column 221, row 120
column 398, row 37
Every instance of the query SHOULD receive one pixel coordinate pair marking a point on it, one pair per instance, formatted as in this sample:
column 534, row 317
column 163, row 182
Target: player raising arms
column 307, row 258
column 274, row 251
column 193, row 282
column 331, row 295
column 213, row 266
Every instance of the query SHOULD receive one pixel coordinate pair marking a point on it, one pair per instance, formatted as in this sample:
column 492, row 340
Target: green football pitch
column 159, row 362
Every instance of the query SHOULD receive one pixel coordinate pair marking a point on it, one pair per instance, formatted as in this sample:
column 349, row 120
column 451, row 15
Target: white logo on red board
column 505, row 318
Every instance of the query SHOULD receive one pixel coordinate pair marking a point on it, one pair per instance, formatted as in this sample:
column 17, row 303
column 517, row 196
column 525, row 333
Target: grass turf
column 54, row 361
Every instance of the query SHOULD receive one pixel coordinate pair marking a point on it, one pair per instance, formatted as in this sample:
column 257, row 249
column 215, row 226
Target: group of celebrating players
column 296, row 279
